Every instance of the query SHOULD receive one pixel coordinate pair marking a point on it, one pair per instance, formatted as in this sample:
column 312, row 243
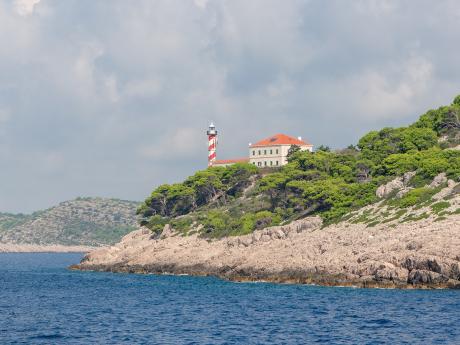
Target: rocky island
column 384, row 213
column 422, row 253
column 77, row 225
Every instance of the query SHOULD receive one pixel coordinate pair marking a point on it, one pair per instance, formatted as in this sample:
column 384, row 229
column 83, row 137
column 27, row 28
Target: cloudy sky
column 112, row 97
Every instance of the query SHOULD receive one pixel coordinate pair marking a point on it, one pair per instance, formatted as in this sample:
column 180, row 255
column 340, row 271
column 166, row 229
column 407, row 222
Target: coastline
column 287, row 277
column 420, row 255
column 35, row 248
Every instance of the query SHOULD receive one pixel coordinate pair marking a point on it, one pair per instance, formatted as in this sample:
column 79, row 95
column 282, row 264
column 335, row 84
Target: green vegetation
column 218, row 223
column 83, row 221
column 396, row 216
column 440, row 206
column 417, row 196
column 208, row 187
column 92, row 233
column 372, row 224
column 439, row 219
column 415, row 217
column 363, row 218
column 241, row 198
column 9, row 221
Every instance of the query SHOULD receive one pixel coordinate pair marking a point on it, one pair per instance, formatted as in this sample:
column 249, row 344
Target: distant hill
column 83, row 221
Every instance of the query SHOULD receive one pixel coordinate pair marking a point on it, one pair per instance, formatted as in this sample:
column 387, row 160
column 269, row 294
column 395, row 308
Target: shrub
column 156, row 223
column 182, row 224
column 414, row 197
column 439, row 206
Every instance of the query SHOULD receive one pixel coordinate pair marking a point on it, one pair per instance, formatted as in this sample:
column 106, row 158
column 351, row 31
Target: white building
column 269, row 152
column 273, row 151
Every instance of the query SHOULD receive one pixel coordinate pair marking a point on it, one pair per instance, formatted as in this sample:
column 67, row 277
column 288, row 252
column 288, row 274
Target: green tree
column 364, row 169
column 293, row 149
column 329, row 184
column 273, row 185
column 323, row 148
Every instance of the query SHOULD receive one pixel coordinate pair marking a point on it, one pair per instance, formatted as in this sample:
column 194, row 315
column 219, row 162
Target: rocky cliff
column 79, row 222
column 382, row 213
column 420, row 254
column 378, row 246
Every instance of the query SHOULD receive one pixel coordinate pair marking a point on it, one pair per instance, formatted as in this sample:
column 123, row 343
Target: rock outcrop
column 421, row 254
column 438, row 180
column 399, row 185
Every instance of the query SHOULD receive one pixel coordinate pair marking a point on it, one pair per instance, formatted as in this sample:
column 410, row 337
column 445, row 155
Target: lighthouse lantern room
column 212, row 144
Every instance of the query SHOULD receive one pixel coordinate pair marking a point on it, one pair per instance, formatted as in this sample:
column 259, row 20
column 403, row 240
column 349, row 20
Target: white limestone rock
column 399, row 183
column 168, row 231
column 438, row 180
column 386, row 189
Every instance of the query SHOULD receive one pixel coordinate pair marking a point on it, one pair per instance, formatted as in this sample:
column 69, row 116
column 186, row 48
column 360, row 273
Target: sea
column 42, row 302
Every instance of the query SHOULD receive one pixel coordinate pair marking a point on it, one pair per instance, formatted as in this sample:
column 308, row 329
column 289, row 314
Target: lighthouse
column 212, row 144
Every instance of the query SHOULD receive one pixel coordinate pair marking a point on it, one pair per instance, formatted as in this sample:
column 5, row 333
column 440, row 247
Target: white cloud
column 111, row 88
column 142, row 88
column 84, row 65
column 92, row 82
column 25, row 7
column 201, row 3
column 178, row 143
column 383, row 98
column 376, row 7
column 131, row 89
column 5, row 115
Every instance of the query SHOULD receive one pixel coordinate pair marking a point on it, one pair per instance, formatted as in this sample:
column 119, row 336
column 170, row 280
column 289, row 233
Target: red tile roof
column 231, row 161
column 280, row 139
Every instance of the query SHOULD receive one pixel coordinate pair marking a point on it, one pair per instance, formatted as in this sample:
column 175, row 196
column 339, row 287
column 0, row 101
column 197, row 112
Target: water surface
column 41, row 302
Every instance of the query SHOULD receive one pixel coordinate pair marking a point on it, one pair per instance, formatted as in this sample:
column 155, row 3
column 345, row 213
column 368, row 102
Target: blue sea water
column 41, row 302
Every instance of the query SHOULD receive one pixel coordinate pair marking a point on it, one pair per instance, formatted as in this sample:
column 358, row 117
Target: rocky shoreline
column 424, row 254
column 283, row 277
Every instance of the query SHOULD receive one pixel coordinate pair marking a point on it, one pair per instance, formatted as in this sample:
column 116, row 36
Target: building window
column 276, row 163
column 253, row 152
column 276, row 151
column 265, row 163
column 265, row 152
column 271, row 152
column 259, row 152
column 254, row 163
column 271, row 162
column 259, row 163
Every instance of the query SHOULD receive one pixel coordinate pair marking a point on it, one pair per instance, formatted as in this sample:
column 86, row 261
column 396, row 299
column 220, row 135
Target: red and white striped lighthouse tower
column 212, row 144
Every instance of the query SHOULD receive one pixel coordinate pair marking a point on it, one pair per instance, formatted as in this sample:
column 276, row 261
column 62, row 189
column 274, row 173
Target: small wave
column 48, row 336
